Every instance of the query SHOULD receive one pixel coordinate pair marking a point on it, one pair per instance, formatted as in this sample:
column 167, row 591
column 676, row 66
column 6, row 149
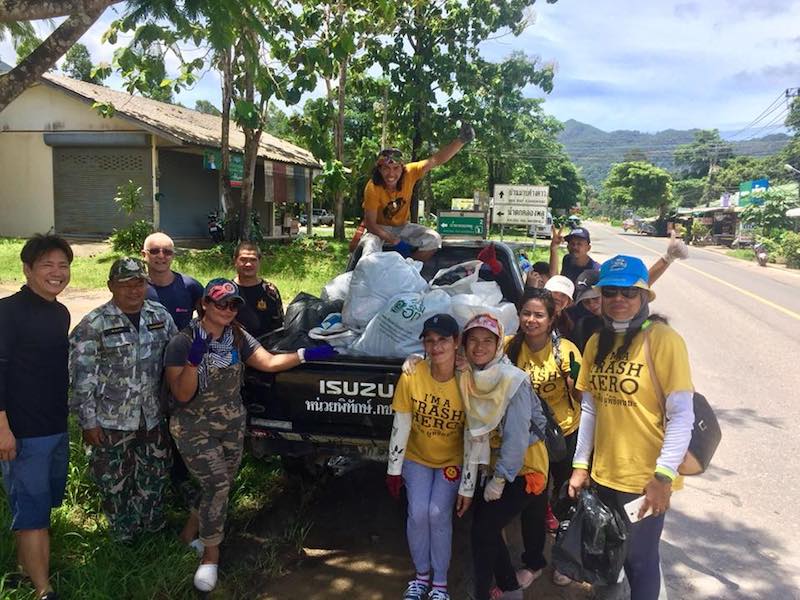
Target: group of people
column 469, row 422
column 154, row 378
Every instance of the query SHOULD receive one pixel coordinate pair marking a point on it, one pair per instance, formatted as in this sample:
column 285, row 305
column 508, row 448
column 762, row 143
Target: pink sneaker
column 550, row 520
column 525, row 577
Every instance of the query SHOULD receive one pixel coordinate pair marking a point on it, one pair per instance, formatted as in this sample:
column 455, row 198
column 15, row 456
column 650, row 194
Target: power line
column 761, row 115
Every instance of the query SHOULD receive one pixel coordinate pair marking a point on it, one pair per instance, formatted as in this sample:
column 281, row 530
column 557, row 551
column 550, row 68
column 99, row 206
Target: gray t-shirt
column 177, row 351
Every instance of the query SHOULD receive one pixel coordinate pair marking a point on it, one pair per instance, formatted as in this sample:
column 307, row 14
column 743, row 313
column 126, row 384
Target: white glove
column 494, row 489
column 676, row 250
column 410, row 363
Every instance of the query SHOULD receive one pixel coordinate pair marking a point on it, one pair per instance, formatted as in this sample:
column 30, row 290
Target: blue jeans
column 429, row 528
column 36, row 479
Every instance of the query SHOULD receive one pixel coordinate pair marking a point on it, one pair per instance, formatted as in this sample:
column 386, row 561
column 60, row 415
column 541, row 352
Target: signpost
column 461, row 203
column 212, row 161
column 752, row 192
column 520, row 204
column 462, row 223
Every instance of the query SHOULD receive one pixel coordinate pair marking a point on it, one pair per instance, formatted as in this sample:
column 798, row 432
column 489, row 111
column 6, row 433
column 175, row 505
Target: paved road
column 733, row 532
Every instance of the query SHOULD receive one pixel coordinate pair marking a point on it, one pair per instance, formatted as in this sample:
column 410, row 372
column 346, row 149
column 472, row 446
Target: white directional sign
column 519, row 214
column 520, row 204
column 532, row 195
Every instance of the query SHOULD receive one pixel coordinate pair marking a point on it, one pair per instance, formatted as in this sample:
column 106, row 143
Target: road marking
column 769, row 303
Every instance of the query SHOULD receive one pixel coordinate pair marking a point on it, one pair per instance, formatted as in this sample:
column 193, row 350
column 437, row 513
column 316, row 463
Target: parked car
column 542, row 231
column 319, row 216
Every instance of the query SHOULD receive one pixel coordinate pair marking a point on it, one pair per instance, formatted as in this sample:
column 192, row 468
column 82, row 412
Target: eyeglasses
column 231, row 305
column 157, row 251
column 627, row 292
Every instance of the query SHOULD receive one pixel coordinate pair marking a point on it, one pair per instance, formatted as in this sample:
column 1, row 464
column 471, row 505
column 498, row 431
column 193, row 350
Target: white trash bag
column 457, row 279
column 395, row 331
column 467, row 306
column 337, row 288
column 375, row 280
column 488, row 291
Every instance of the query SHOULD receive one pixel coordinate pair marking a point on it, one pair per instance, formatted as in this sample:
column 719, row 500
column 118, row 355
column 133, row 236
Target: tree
column 78, row 65
column 434, row 50
column 204, row 106
column 771, row 215
column 635, row 155
column 708, row 150
column 639, row 184
column 25, row 46
column 688, row 192
column 81, row 16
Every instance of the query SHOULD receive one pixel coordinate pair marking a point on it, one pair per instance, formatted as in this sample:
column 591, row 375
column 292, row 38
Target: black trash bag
column 563, row 506
column 593, row 545
column 302, row 315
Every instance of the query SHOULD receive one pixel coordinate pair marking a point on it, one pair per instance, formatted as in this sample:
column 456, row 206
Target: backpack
column 706, row 432
column 553, row 435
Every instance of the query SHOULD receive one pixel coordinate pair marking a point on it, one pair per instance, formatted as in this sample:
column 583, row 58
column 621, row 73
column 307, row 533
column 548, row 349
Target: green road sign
column 462, row 223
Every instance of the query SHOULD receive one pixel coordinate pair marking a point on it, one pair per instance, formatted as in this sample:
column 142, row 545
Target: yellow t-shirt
column 536, row 457
column 549, row 382
column 437, row 417
column 629, row 426
column 394, row 208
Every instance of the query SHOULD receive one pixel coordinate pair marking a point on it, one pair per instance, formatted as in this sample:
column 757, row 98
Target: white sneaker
column 205, row 578
column 560, row 579
column 525, row 577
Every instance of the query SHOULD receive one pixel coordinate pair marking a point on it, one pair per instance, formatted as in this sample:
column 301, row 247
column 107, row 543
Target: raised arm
column 465, row 135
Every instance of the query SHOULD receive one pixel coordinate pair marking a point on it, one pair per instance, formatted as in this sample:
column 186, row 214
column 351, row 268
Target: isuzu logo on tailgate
column 356, row 388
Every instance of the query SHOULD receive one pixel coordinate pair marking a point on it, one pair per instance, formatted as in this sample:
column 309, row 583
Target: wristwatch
column 663, row 478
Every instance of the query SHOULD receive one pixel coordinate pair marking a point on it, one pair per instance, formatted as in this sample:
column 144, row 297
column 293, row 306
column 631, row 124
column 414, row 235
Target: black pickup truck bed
column 343, row 406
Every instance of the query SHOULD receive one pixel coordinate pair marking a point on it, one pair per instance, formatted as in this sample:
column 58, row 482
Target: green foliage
column 771, row 215
column 708, row 149
column 204, row 106
column 78, row 65
column 104, row 109
column 129, row 197
column 639, row 184
column 25, row 46
column 790, row 247
column 130, row 240
column 688, row 192
column 699, row 231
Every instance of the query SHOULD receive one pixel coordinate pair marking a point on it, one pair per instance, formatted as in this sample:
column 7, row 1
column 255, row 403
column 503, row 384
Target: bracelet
column 662, row 478
column 301, row 354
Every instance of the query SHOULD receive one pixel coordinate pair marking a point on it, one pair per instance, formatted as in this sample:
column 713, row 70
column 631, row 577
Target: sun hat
column 625, row 271
column 485, row 321
column 559, row 283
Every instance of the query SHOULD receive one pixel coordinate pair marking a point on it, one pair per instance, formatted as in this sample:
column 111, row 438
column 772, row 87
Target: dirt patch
column 356, row 548
column 78, row 301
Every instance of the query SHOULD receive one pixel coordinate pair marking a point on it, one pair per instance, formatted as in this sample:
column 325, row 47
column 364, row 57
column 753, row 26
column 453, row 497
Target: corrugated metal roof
column 184, row 124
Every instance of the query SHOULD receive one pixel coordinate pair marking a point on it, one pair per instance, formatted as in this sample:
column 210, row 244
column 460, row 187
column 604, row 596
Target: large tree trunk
column 33, row 10
column 225, row 64
column 26, row 73
column 251, row 144
column 338, row 228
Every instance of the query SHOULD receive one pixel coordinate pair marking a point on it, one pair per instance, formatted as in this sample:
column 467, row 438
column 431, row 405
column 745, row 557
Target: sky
column 633, row 64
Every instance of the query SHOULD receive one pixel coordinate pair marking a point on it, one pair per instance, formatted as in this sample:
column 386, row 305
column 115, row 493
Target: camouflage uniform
column 209, row 432
column 116, row 377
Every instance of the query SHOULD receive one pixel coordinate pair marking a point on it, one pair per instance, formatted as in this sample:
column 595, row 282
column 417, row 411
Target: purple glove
column 404, row 249
column 198, row 349
column 323, row 352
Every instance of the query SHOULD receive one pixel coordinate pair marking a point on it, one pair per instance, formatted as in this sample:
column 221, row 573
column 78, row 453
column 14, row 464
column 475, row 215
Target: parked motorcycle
column 215, row 229
column 761, row 254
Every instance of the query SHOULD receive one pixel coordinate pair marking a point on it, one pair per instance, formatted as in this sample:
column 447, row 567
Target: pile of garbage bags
column 379, row 308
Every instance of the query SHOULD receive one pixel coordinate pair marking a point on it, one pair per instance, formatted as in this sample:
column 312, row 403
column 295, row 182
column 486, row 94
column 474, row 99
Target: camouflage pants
column 212, row 450
column 132, row 471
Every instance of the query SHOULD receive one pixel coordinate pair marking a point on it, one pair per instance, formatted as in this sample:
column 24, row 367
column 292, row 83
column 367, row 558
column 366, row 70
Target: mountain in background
column 595, row 150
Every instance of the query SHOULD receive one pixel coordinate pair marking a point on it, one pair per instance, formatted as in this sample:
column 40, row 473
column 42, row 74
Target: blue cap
column 624, row 271
column 579, row 232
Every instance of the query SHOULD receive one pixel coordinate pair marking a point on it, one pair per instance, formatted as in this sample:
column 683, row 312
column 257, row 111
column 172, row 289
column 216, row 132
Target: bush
column 790, row 248
column 130, row 239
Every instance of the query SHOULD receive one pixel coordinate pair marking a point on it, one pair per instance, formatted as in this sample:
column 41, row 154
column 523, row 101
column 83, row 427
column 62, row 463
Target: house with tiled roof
column 61, row 163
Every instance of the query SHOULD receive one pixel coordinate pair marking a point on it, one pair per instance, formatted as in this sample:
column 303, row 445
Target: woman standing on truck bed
column 425, row 453
column 204, row 370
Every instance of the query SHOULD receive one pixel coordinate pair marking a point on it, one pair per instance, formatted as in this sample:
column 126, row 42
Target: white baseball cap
column 559, row 283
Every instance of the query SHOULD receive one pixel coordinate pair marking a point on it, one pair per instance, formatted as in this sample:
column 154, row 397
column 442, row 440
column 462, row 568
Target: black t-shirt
column 584, row 329
column 179, row 297
column 263, row 309
column 34, row 364
column 571, row 271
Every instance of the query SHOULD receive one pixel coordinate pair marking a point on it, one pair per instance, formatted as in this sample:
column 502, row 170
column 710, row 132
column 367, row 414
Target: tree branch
column 26, row 73
column 31, row 10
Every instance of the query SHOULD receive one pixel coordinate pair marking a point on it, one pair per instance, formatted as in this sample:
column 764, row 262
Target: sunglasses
column 627, row 292
column 231, row 305
column 391, row 153
column 157, row 251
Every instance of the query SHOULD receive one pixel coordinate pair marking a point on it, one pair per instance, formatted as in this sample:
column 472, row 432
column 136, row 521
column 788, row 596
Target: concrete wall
column 26, row 185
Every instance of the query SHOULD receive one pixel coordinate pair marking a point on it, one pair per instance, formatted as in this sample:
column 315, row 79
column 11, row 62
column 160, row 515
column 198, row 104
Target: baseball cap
column 541, row 267
column 442, row 324
column 389, row 156
column 559, row 283
column 584, row 285
column 485, row 321
column 625, row 271
column 220, row 289
column 127, row 268
column 579, row 232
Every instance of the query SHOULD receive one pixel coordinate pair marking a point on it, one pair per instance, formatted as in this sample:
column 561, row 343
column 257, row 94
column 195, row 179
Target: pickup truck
column 342, row 407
